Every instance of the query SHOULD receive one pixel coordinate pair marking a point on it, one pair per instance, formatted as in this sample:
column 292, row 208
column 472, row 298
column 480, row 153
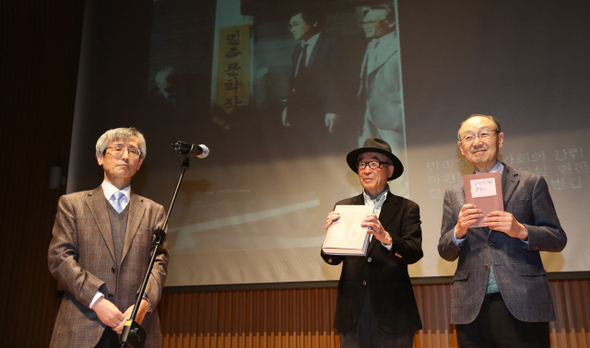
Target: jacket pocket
column 530, row 270
column 461, row 275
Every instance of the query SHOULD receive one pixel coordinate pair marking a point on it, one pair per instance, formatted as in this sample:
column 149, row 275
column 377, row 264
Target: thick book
column 346, row 236
column 485, row 191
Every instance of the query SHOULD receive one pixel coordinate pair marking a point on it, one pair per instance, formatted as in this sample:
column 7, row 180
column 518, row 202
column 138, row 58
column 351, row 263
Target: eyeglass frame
column 481, row 136
column 119, row 153
column 368, row 164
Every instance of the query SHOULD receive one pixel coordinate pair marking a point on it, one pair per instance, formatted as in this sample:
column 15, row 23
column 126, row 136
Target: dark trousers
column 368, row 334
column 495, row 327
column 109, row 339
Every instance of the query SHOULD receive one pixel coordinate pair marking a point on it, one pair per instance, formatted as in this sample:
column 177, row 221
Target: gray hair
column 491, row 118
column 120, row 134
column 389, row 11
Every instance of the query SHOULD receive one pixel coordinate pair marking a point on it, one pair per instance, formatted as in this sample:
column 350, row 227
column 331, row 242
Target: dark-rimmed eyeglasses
column 371, row 164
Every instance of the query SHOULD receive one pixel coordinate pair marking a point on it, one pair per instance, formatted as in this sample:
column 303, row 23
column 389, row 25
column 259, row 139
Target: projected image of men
column 311, row 99
column 381, row 89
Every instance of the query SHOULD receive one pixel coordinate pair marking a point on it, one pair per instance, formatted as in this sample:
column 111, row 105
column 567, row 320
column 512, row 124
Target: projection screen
column 253, row 211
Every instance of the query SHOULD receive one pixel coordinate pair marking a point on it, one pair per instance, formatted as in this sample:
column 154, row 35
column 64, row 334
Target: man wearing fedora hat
column 376, row 306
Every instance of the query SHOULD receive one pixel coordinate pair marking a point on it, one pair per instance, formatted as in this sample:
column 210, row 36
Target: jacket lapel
column 382, row 58
column 388, row 209
column 295, row 58
column 136, row 211
column 385, row 216
column 97, row 204
column 509, row 183
column 313, row 54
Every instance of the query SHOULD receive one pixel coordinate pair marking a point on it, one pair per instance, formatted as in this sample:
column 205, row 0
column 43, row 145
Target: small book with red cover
column 485, row 191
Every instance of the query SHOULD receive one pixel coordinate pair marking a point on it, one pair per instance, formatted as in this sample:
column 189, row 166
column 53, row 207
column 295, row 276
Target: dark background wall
column 39, row 54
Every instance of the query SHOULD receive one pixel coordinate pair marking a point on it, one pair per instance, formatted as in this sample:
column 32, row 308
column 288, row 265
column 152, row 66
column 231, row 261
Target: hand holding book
column 345, row 235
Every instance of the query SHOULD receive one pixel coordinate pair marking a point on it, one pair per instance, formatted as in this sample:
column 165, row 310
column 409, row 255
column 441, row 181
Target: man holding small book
column 501, row 296
column 376, row 306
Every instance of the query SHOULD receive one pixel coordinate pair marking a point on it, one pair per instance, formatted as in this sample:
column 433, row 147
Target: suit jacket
column 384, row 273
column 312, row 93
column 381, row 85
column 518, row 268
column 82, row 258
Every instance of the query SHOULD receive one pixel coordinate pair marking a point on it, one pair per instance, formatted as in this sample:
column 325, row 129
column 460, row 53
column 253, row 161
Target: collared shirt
column 310, row 45
column 109, row 189
column 377, row 204
column 379, row 48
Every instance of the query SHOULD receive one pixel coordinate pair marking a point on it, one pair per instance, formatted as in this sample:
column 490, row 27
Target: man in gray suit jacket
column 376, row 306
column 381, row 84
column 100, row 251
column 501, row 296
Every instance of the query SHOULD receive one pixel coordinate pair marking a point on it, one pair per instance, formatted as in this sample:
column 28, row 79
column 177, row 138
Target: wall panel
column 290, row 318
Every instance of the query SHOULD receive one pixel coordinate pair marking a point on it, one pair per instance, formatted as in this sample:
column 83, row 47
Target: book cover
column 485, row 191
column 346, row 236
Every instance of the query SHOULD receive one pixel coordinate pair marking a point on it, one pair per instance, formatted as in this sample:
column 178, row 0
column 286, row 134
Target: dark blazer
column 383, row 272
column 82, row 259
column 519, row 271
column 313, row 93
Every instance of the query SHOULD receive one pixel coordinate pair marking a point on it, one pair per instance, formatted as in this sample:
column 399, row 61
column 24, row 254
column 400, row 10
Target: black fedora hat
column 380, row 146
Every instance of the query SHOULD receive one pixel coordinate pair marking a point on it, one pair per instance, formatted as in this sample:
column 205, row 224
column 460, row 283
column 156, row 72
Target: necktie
column 302, row 60
column 117, row 201
column 300, row 69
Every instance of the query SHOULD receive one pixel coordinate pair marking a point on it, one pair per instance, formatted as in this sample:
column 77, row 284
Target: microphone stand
column 134, row 335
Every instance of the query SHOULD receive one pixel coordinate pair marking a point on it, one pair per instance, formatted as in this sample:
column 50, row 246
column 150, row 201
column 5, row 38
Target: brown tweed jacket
column 82, row 258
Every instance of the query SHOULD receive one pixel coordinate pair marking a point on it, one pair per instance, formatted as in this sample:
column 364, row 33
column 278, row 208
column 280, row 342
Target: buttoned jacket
column 518, row 267
column 382, row 272
column 82, row 259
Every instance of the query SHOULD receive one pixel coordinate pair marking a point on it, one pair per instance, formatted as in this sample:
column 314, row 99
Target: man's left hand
column 505, row 222
column 376, row 229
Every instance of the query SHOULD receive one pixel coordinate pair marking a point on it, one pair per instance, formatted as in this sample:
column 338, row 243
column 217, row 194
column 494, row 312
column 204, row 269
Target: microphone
column 200, row 151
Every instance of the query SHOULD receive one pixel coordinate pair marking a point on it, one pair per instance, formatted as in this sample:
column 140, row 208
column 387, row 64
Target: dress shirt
column 108, row 190
column 378, row 48
column 310, row 45
column 377, row 204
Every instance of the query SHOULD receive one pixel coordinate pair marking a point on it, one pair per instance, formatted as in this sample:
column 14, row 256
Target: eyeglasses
column 371, row 164
column 485, row 135
column 118, row 150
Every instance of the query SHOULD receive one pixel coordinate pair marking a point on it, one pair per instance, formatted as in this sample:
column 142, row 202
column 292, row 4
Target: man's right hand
column 108, row 313
column 468, row 216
